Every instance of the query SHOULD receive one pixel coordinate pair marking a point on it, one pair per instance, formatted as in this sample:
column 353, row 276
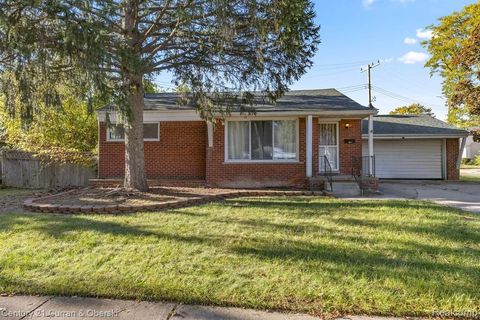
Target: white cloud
column 386, row 60
column 424, row 34
column 413, row 57
column 408, row 40
column 367, row 3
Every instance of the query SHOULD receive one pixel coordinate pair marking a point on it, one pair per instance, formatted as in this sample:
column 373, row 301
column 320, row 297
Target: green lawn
column 321, row 256
column 470, row 178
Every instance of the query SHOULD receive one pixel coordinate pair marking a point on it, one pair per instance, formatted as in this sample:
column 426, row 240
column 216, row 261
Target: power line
column 344, row 63
column 339, row 68
column 351, row 91
column 353, row 88
column 363, row 85
column 321, row 74
column 399, row 97
column 406, row 80
column 392, row 94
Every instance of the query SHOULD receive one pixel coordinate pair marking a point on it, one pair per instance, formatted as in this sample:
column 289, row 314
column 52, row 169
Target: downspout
column 444, row 159
column 460, row 153
column 210, row 134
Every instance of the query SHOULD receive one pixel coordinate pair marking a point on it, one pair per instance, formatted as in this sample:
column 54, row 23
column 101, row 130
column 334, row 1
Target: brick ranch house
column 282, row 145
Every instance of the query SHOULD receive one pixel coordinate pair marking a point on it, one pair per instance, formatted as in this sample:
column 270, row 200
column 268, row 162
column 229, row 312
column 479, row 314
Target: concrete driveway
column 470, row 171
column 462, row 195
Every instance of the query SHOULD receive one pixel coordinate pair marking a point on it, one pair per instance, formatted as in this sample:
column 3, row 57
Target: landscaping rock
column 114, row 201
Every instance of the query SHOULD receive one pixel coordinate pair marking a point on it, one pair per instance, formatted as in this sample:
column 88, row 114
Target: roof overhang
column 192, row 115
column 413, row 136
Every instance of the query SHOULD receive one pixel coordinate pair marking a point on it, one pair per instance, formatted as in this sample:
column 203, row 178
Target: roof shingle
column 295, row 100
column 411, row 125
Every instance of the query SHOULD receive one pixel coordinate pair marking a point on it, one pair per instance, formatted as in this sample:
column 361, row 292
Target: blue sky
column 356, row 32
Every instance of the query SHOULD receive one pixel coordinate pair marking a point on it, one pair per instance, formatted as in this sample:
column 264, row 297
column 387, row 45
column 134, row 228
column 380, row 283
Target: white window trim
column 297, row 151
column 337, row 123
column 123, row 140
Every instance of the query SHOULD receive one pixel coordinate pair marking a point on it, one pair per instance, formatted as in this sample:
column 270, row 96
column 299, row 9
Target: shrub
column 476, row 161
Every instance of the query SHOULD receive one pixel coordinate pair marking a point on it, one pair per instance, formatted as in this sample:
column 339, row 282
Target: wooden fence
column 22, row 170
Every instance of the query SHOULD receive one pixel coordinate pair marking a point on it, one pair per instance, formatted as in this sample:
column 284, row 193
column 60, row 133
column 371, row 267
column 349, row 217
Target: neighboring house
column 415, row 147
column 283, row 145
column 472, row 148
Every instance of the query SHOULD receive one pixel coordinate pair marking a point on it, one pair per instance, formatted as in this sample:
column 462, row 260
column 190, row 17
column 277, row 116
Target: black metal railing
column 328, row 172
column 361, row 166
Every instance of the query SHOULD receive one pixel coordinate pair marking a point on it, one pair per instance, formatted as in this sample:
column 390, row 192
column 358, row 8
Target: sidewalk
column 73, row 308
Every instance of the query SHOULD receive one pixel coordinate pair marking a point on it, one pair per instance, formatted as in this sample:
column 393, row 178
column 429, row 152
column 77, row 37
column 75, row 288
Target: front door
column 328, row 145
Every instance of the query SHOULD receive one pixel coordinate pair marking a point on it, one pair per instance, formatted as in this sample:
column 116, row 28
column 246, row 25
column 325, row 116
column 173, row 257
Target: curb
column 31, row 205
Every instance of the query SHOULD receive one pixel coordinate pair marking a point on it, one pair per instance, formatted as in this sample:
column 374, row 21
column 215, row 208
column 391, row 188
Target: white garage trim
column 408, row 158
column 412, row 136
column 444, row 159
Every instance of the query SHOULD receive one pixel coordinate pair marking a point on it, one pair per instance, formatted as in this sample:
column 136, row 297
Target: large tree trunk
column 135, row 177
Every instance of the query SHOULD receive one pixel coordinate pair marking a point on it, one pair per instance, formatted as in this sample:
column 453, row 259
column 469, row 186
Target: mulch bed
column 110, row 200
column 11, row 200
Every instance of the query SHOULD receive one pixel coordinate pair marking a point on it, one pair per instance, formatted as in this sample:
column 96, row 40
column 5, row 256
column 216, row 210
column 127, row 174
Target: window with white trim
column 151, row 132
column 262, row 140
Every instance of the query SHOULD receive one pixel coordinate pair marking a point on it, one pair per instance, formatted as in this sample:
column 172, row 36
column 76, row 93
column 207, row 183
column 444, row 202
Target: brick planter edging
column 31, row 205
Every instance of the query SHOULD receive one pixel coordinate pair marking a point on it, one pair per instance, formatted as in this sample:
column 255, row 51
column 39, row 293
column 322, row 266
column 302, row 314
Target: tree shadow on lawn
column 443, row 229
column 308, row 251
column 397, row 259
column 444, row 223
column 58, row 226
column 403, row 265
column 358, row 238
column 306, row 206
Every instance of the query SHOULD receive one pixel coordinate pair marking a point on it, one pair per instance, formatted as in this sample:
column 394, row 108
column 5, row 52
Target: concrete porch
column 343, row 185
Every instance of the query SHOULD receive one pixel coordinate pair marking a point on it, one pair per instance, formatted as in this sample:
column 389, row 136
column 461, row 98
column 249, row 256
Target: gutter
column 192, row 114
column 415, row 136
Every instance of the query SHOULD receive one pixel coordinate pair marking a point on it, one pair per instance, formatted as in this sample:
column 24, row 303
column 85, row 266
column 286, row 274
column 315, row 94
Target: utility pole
column 369, row 72
column 371, row 155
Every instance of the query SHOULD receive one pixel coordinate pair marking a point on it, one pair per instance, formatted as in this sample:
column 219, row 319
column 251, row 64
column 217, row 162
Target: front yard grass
column 470, row 178
column 304, row 254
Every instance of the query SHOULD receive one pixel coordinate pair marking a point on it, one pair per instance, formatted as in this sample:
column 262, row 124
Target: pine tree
column 212, row 47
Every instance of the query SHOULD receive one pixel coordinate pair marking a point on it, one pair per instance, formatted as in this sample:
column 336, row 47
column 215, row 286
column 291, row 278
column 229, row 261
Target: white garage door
column 407, row 159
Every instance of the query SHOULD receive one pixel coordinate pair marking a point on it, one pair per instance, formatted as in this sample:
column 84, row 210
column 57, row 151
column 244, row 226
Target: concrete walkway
column 68, row 308
column 71, row 308
column 470, row 171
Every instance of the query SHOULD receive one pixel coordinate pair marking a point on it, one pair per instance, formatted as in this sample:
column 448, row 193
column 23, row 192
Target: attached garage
column 412, row 147
column 407, row 159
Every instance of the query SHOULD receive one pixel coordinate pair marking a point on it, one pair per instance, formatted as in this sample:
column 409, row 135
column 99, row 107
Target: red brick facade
column 182, row 153
column 349, row 151
column 242, row 175
column 452, row 149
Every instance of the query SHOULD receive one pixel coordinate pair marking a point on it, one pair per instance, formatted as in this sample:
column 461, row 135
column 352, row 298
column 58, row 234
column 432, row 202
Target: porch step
column 345, row 189
column 343, row 185
column 335, row 177
column 343, row 178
